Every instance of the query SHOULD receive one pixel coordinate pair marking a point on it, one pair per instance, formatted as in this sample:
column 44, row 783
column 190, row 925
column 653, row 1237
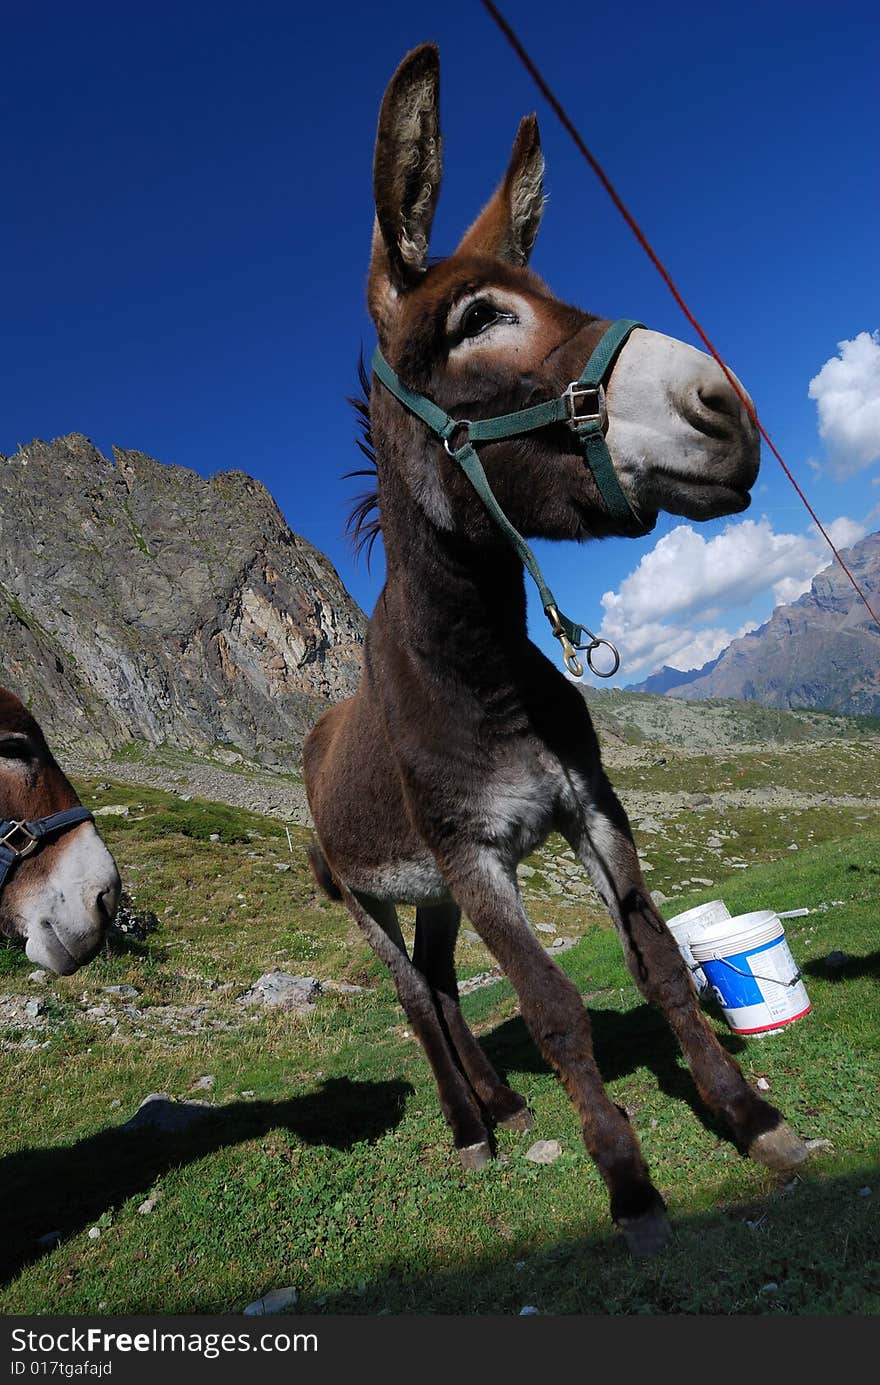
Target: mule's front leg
column 378, row 920
column 601, row 837
column 560, row 1026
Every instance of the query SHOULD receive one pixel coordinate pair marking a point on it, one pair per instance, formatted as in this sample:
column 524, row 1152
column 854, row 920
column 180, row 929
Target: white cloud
column 790, row 588
column 684, row 573
column 668, row 611
column 842, row 532
column 707, row 644
column 847, row 393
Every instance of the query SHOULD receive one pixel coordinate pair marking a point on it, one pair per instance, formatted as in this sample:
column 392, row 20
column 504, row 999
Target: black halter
column 19, row 839
column 582, row 406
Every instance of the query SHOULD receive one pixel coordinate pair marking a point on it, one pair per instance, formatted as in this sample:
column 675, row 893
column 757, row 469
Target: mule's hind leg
column 378, row 920
column 434, row 956
column 602, row 839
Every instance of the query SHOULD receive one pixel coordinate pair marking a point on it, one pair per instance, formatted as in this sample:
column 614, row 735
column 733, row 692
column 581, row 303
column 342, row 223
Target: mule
column 464, row 747
column 59, row 886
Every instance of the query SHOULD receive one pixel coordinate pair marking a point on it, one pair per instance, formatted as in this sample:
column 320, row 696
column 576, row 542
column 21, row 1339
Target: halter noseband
column 19, row 839
column 582, row 406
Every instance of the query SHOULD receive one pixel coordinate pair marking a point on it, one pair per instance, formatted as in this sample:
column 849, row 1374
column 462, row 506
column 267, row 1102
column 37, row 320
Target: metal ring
column 460, row 423
column 598, row 672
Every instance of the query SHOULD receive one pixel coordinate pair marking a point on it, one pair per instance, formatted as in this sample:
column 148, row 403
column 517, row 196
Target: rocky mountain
column 139, row 601
column 821, row 651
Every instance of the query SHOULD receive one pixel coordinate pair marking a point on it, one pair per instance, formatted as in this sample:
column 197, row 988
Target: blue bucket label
column 758, row 987
column 733, row 989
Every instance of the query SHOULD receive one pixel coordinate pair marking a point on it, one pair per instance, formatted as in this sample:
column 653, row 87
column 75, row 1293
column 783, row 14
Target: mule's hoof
column 646, row 1235
column 475, row 1156
column 520, row 1120
column 779, row 1148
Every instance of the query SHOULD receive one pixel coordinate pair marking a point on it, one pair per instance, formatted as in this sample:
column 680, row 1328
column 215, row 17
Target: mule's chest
column 522, row 802
column 506, row 815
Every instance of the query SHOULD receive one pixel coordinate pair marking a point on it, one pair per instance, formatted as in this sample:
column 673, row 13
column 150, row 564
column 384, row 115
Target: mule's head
column 59, row 899
column 480, row 335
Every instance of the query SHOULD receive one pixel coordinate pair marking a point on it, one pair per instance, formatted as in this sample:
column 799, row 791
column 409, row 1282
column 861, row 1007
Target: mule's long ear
column 406, row 177
column 506, row 228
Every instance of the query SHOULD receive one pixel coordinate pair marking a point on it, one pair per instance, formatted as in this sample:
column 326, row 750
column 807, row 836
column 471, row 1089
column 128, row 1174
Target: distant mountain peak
column 820, row 651
column 668, row 677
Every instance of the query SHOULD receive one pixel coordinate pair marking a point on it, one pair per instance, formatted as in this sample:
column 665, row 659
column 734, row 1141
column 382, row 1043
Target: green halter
column 582, row 407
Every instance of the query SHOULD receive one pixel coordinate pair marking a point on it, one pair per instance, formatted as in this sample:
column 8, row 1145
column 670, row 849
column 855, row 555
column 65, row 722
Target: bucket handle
column 753, row 975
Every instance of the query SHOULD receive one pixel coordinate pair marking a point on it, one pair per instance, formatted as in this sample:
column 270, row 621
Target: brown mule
column 59, row 891
column 464, row 747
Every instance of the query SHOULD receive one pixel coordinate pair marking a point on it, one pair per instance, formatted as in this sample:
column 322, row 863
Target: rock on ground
column 544, row 1152
column 160, row 1112
column 279, row 990
column 276, row 1301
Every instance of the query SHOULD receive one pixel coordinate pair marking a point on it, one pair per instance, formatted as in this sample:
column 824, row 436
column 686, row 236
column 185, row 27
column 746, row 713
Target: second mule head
column 60, row 887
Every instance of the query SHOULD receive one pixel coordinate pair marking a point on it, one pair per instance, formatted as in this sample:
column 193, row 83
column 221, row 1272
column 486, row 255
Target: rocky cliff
column 140, row 601
column 821, row 651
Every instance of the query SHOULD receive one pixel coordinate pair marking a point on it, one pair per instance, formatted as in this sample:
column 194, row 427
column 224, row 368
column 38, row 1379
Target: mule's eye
column 477, row 317
column 15, row 748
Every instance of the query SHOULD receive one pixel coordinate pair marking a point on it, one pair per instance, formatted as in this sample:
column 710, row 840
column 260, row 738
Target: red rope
column 664, row 272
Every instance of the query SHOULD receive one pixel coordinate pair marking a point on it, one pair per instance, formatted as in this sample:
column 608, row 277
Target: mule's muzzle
column 61, row 954
column 64, row 950
column 63, row 941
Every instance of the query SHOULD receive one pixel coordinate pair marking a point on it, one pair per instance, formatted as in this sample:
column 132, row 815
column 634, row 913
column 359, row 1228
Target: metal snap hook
column 569, row 653
column 569, row 650
column 571, row 660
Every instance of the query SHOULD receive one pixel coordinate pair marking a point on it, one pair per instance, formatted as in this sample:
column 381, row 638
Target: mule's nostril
column 719, row 399
column 108, row 900
column 713, row 408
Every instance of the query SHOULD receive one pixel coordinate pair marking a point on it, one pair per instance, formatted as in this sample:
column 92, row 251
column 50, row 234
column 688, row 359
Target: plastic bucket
column 684, row 927
column 752, row 972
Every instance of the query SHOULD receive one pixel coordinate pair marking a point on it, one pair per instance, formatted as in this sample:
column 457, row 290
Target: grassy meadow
column 323, row 1161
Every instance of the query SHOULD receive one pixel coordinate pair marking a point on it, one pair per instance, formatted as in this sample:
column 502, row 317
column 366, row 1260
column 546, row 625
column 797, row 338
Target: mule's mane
column 364, row 524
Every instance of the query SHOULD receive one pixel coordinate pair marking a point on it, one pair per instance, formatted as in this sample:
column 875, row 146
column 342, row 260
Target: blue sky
column 186, row 228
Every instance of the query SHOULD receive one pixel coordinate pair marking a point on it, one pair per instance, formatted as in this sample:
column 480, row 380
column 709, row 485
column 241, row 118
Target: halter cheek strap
column 582, row 407
column 19, row 839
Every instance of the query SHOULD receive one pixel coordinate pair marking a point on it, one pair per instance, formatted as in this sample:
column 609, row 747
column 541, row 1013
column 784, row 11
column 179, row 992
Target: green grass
column 839, row 768
column 225, row 756
column 335, row 1171
column 718, row 722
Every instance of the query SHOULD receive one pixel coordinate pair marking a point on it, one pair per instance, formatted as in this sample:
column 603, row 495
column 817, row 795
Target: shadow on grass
column 813, row 1251
column 67, row 1187
column 623, row 1042
column 848, row 970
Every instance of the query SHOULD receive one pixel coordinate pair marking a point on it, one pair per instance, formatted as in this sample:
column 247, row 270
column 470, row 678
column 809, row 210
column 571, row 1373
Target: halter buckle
column 16, row 830
column 586, row 404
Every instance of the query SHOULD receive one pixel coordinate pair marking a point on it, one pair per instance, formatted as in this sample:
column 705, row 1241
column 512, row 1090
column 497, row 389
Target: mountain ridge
column 142, row 601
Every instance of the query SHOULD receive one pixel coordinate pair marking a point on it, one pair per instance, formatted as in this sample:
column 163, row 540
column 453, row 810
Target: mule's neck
column 457, row 606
